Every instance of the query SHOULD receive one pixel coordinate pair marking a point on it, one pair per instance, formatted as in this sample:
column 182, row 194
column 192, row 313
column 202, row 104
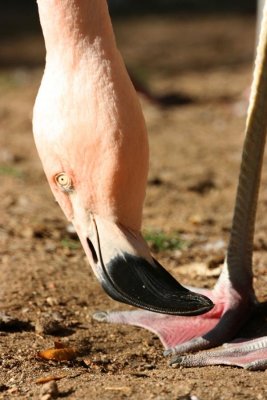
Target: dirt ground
column 46, row 283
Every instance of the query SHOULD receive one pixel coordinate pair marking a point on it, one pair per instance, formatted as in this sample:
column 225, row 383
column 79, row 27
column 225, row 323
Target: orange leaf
column 61, row 354
column 50, row 378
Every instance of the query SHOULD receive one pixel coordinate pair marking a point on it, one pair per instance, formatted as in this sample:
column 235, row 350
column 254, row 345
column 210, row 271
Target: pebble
column 49, row 391
column 51, row 301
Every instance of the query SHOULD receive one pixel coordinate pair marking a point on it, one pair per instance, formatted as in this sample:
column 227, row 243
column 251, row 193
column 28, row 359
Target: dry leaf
column 59, row 353
column 50, row 378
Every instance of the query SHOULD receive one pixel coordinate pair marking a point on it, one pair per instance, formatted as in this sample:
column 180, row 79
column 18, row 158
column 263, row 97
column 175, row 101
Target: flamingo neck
column 71, row 27
column 87, row 116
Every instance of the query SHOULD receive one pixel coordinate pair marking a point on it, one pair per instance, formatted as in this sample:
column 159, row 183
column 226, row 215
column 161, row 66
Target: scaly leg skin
column 250, row 354
column 186, row 334
column 182, row 334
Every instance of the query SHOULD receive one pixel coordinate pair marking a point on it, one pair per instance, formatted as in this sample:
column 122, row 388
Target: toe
column 100, row 316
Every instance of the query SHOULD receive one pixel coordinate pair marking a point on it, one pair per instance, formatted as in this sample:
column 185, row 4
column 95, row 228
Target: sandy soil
column 46, row 282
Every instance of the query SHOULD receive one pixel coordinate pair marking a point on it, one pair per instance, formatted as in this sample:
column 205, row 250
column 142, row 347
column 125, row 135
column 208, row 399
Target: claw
column 100, row 316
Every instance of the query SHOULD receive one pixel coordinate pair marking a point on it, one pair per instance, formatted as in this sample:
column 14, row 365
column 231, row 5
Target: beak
column 122, row 263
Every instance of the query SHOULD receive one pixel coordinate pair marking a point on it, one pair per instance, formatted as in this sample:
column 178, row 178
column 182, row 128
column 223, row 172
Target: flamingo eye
column 64, row 181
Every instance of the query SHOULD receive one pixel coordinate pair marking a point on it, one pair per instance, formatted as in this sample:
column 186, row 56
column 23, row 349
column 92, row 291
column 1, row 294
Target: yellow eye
column 64, row 181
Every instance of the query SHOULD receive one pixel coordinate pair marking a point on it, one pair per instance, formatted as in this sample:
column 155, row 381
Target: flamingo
column 92, row 141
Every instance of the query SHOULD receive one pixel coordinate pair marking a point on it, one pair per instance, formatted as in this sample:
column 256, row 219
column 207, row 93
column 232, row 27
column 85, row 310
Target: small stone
column 52, row 301
column 49, row 391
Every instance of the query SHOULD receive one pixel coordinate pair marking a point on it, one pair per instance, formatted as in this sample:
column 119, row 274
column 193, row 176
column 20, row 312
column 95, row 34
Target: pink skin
column 88, row 125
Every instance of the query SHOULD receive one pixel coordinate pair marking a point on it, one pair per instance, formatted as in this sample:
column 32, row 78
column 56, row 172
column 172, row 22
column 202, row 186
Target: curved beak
column 122, row 263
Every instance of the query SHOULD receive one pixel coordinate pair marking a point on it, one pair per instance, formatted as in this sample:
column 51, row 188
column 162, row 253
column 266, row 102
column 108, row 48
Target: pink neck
column 73, row 24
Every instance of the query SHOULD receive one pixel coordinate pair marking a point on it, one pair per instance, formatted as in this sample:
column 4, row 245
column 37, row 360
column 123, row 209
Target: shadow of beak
column 122, row 263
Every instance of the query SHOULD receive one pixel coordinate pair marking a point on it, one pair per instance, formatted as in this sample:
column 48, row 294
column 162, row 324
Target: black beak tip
column 135, row 281
column 201, row 303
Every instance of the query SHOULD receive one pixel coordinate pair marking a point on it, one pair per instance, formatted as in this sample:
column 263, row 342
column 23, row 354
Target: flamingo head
column 92, row 141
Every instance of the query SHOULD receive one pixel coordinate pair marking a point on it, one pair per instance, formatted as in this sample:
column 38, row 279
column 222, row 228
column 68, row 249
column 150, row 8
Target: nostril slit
column 92, row 249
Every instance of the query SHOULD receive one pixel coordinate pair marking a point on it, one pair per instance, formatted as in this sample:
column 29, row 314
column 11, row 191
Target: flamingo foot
column 170, row 329
column 180, row 335
column 249, row 354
